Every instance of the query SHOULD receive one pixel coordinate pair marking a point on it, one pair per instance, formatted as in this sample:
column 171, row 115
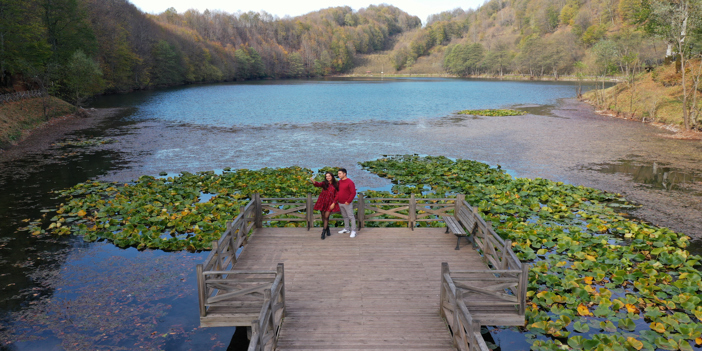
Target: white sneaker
column 343, row 231
column 353, row 234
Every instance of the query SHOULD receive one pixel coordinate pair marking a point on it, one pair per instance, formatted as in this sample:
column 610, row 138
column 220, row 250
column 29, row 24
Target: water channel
column 63, row 293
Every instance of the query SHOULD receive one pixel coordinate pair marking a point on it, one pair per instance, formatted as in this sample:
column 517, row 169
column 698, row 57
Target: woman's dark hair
column 325, row 183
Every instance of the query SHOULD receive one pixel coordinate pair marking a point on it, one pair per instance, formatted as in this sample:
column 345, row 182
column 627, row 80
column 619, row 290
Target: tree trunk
column 681, row 53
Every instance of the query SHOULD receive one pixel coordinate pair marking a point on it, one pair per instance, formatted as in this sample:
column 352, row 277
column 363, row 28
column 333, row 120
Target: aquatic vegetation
column 492, row 112
column 599, row 281
column 167, row 213
column 81, row 142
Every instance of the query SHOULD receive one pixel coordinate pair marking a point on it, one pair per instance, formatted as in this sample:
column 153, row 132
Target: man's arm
column 352, row 191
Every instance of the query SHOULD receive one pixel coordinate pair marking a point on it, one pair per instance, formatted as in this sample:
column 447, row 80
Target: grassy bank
column 652, row 97
column 20, row 117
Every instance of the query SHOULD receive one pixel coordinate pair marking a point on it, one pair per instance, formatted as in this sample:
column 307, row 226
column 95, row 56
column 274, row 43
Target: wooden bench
column 454, row 227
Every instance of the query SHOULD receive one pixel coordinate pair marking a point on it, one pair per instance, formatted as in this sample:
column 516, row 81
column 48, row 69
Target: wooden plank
column 380, row 289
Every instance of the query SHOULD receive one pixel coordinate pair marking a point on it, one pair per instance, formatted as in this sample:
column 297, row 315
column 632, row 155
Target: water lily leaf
column 666, row 344
column 631, row 308
column 658, row 327
column 627, row 324
column 576, row 342
column 581, row 327
column 583, row 310
column 634, row 343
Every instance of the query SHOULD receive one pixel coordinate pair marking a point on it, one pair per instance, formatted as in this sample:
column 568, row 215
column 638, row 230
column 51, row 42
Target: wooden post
column 412, row 211
column 442, row 298
column 281, row 271
column 361, row 211
column 474, row 328
column 523, row 282
column 310, row 212
column 457, row 328
column 258, row 205
column 218, row 265
column 458, row 202
column 201, row 290
column 255, row 336
column 505, row 254
column 476, row 216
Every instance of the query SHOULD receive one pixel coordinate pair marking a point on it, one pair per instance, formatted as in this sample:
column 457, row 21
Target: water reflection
column 654, row 174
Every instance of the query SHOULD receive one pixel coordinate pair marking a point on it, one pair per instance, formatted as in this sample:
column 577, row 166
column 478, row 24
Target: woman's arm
column 317, row 184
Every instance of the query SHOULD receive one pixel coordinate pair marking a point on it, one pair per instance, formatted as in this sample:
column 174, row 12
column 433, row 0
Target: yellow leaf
column 541, row 294
column 634, row 343
column 561, row 264
column 588, row 280
column 658, row 327
column 590, row 258
column 698, row 341
column 82, row 213
column 583, row 311
column 631, row 308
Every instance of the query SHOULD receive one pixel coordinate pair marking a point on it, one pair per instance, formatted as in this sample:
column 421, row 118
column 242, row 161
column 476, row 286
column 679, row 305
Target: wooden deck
column 380, row 290
column 377, row 291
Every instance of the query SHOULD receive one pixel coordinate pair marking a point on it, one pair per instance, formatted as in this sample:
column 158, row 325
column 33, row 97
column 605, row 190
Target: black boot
column 328, row 231
column 324, row 231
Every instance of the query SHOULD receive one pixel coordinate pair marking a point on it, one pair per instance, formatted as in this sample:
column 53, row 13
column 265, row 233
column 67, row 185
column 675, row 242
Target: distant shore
column 515, row 77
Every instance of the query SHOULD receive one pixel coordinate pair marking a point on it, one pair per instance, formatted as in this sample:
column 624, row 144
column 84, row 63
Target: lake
column 63, row 293
column 337, row 100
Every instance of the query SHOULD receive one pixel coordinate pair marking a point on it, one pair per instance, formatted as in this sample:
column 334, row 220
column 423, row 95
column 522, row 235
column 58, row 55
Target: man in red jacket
column 345, row 195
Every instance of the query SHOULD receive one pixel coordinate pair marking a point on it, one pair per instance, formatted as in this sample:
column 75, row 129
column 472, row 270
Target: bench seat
column 454, row 227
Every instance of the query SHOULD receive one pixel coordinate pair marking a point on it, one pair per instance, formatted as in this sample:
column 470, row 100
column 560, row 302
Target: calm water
column 302, row 102
column 47, row 284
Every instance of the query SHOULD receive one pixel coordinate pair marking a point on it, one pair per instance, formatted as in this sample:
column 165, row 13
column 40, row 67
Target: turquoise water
column 339, row 100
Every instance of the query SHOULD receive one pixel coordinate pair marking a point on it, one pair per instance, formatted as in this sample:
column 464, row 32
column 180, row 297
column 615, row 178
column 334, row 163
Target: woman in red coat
column 326, row 203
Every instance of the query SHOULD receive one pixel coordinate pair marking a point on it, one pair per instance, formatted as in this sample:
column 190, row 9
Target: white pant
column 347, row 213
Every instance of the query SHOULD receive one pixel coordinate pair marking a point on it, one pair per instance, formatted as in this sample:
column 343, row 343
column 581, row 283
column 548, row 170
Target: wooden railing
column 471, row 298
column 496, row 251
column 410, row 210
column 265, row 329
column 465, row 330
column 219, row 285
column 21, row 95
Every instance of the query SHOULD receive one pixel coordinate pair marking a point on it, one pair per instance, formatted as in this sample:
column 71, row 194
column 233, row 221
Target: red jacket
column 347, row 191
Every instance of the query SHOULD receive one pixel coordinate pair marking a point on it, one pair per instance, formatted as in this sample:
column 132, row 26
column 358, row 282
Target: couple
column 335, row 197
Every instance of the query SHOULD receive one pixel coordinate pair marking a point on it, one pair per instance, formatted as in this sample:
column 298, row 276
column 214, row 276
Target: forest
column 76, row 49
column 555, row 37
column 79, row 48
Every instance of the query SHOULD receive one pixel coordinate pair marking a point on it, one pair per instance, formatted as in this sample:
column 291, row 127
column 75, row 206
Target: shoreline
column 485, row 77
column 678, row 131
column 41, row 138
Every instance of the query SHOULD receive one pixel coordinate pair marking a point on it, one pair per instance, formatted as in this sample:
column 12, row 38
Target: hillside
column 78, row 48
column 534, row 38
column 653, row 96
column 17, row 118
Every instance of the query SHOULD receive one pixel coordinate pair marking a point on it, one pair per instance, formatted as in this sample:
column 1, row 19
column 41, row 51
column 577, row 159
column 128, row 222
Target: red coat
column 347, row 191
column 326, row 198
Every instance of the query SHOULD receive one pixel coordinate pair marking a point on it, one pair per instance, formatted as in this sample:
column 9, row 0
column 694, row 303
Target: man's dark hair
column 343, row 170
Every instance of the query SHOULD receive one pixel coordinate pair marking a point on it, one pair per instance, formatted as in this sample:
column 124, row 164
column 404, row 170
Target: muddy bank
column 40, row 140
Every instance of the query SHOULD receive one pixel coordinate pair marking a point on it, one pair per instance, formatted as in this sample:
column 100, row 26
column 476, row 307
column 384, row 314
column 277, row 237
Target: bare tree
column 674, row 20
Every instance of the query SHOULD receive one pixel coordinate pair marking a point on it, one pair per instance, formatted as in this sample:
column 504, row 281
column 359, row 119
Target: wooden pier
column 387, row 289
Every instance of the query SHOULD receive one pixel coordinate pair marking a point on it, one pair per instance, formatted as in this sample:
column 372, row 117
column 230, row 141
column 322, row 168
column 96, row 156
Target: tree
column 295, row 64
column 167, row 69
column 83, row 77
column 21, row 45
column 67, row 29
column 673, row 21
